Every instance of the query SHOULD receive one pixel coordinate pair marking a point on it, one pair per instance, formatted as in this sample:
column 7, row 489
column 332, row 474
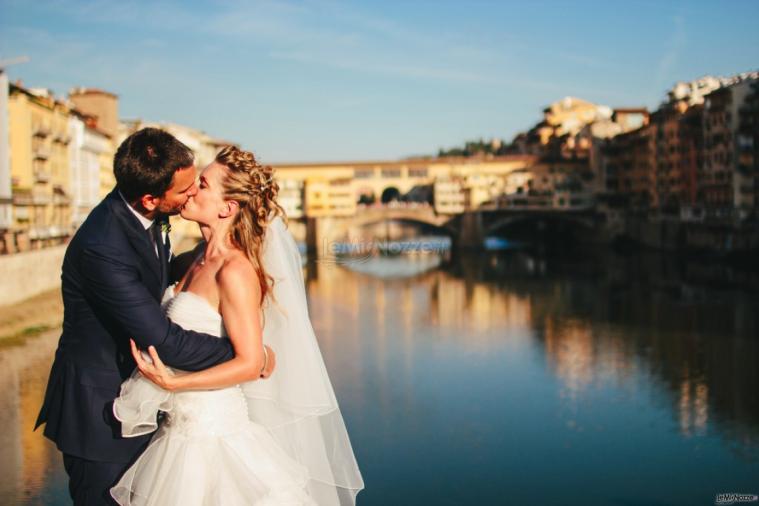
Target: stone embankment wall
column 24, row 275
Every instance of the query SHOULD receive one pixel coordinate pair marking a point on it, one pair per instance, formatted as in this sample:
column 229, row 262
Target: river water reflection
column 504, row 379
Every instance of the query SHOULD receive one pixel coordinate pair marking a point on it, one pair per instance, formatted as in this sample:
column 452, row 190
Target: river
column 505, row 378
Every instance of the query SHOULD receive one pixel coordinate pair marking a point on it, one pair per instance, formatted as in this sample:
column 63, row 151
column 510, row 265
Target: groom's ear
column 149, row 202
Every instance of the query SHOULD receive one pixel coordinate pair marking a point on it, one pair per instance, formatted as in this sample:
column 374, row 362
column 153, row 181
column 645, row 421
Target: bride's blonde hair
column 253, row 187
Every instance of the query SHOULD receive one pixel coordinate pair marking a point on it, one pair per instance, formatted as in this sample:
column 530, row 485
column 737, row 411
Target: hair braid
column 253, row 187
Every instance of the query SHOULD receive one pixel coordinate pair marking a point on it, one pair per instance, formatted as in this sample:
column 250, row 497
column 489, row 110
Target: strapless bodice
column 197, row 411
column 192, row 312
column 193, row 412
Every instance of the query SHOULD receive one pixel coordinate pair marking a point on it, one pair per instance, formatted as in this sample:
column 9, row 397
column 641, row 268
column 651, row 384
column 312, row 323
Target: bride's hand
column 271, row 363
column 155, row 372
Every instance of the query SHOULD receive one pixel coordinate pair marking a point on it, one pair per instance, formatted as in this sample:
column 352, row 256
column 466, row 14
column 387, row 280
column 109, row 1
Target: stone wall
column 24, row 275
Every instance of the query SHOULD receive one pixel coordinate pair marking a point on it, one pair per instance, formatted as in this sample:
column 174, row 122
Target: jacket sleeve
column 115, row 288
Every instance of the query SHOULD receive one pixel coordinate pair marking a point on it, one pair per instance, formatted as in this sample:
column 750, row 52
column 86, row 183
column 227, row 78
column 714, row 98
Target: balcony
column 60, row 197
column 22, row 213
column 41, row 131
column 23, row 197
column 41, row 153
column 41, row 176
column 41, row 199
column 61, row 138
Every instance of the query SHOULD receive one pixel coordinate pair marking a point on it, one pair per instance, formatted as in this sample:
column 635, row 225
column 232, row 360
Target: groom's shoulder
column 101, row 227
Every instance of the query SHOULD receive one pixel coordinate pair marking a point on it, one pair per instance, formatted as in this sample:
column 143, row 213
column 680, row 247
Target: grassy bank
column 30, row 318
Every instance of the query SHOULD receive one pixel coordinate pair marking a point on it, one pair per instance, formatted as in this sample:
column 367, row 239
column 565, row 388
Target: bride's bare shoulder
column 238, row 276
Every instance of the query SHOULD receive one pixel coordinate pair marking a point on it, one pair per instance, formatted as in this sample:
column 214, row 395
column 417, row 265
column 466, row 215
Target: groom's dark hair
column 146, row 161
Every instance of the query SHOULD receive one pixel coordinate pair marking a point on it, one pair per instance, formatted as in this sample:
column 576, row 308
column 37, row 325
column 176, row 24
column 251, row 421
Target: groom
column 115, row 271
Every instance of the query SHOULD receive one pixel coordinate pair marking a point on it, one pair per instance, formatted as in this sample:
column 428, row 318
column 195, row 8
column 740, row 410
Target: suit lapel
column 136, row 233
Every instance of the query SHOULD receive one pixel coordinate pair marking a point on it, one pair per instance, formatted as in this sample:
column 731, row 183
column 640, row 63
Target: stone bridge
column 467, row 230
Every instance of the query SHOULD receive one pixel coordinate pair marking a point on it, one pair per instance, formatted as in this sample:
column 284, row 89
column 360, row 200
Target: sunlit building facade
column 39, row 158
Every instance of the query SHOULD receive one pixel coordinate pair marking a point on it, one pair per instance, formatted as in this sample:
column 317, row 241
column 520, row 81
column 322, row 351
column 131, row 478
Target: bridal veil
column 297, row 403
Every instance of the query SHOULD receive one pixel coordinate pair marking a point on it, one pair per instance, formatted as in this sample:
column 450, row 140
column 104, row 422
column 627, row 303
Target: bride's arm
column 239, row 301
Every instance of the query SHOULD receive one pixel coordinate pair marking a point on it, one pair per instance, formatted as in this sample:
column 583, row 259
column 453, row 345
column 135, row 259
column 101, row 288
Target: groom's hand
column 270, row 364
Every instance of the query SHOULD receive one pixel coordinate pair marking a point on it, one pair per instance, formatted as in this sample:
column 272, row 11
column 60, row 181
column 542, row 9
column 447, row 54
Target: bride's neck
column 217, row 239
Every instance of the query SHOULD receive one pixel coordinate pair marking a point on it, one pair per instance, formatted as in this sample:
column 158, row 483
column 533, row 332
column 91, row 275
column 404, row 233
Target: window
column 363, row 173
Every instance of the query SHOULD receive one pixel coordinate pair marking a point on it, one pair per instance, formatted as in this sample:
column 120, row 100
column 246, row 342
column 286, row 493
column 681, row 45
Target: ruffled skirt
column 208, row 452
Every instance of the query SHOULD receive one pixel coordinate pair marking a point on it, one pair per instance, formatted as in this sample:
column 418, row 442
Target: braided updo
column 253, row 187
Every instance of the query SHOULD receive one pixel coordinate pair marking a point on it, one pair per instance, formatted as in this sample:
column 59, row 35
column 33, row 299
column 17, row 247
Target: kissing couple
column 165, row 388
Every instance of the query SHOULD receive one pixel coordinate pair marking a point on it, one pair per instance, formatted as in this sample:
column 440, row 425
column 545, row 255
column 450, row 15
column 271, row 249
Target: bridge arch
column 514, row 219
column 368, row 219
column 326, row 231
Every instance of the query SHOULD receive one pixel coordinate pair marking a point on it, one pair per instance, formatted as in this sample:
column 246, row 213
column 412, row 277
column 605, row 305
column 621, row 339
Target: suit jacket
column 112, row 287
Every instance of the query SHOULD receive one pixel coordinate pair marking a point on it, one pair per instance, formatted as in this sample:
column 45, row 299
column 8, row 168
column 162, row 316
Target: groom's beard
column 171, row 211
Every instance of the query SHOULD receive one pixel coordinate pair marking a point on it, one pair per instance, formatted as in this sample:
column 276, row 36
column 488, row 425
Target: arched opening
column 366, row 196
column 545, row 234
column 420, row 194
column 390, row 194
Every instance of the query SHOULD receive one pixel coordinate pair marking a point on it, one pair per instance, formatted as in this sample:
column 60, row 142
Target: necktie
column 156, row 231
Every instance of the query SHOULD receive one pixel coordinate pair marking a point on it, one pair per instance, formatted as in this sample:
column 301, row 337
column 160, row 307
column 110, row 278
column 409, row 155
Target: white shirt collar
column 145, row 222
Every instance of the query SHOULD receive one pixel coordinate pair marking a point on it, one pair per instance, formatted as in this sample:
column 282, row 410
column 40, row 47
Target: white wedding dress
column 280, row 441
column 207, row 451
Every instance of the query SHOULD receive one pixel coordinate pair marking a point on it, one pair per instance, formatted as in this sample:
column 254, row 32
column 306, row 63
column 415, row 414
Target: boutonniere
column 166, row 226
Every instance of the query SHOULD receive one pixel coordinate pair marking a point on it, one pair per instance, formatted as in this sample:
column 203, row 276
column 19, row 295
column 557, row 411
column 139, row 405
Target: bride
column 228, row 439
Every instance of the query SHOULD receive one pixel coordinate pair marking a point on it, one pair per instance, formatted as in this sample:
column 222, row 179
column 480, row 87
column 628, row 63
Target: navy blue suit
column 112, row 284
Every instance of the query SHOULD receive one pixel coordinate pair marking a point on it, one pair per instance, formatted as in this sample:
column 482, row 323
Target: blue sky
column 317, row 81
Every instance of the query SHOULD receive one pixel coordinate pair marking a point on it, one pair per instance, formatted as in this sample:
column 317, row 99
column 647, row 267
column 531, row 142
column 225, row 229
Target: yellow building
column 457, row 182
column 449, row 195
column 107, row 179
column 570, row 114
column 290, row 197
column 39, row 152
column 329, row 197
